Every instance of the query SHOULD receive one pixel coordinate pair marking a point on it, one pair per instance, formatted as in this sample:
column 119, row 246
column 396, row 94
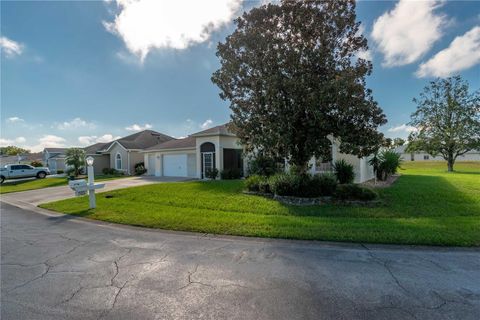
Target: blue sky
column 73, row 73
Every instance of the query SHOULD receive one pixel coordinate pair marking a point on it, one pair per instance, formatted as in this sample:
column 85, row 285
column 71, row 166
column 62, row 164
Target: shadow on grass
column 424, row 195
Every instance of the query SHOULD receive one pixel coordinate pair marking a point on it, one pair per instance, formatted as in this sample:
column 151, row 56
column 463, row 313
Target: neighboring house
column 26, row 158
column 473, row 155
column 219, row 148
column 193, row 156
column 54, row 159
column 124, row 153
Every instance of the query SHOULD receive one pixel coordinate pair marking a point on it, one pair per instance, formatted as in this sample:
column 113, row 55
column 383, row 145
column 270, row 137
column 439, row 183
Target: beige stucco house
column 219, row 148
column 124, row 153
column 216, row 147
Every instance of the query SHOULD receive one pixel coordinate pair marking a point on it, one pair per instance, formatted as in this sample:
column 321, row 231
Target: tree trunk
column 450, row 163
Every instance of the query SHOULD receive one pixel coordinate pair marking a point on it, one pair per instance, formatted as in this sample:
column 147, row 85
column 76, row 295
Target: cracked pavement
column 59, row 267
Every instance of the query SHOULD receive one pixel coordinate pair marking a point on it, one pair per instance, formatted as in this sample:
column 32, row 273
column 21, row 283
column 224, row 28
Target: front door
column 207, row 162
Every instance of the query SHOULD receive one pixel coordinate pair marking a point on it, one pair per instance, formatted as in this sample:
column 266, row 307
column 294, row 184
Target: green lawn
column 426, row 205
column 24, row 185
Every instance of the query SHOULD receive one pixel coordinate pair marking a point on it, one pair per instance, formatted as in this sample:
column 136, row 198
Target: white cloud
column 15, row 119
column 365, row 54
column 20, row 140
column 137, row 127
column 407, row 32
column 47, row 141
column 5, row 142
column 402, row 128
column 207, row 124
column 88, row 140
column 75, row 124
column 463, row 53
column 10, row 47
column 9, row 142
column 151, row 24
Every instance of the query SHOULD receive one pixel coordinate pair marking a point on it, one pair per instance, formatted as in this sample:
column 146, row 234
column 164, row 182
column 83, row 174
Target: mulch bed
column 381, row 184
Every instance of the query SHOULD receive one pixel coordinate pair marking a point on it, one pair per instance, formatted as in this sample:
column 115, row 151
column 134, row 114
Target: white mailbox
column 79, row 186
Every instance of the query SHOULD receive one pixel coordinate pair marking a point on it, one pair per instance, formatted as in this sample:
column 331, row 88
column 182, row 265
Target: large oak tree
column 447, row 119
column 293, row 79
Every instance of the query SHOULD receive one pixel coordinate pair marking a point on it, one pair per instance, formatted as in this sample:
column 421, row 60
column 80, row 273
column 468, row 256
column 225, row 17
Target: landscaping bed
column 426, row 206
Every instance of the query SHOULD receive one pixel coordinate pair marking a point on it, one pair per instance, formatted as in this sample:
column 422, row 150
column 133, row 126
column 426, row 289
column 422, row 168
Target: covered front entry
column 175, row 165
column 207, row 157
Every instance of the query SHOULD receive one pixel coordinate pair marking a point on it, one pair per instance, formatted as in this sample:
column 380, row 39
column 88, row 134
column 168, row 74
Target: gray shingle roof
column 221, row 130
column 56, row 150
column 95, row 148
column 188, row 142
column 139, row 140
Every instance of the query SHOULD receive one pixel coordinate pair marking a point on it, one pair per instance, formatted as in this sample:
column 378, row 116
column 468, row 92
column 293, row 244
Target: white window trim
column 116, row 161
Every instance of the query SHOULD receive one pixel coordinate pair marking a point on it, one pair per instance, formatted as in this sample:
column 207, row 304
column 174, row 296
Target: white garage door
column 175, row 165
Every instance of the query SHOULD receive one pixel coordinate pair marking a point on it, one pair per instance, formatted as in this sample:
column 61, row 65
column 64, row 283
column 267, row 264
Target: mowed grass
column 426, row 205
column 32, row 184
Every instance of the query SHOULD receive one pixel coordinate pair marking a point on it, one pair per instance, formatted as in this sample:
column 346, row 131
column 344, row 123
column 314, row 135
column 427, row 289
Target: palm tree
column 75, row 158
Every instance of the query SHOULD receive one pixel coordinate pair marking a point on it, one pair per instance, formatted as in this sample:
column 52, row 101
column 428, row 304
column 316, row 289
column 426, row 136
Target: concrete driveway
column 36, row 197
column 62, row 267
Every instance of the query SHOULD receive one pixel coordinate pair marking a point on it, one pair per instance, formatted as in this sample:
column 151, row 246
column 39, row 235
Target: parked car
column 18, row 171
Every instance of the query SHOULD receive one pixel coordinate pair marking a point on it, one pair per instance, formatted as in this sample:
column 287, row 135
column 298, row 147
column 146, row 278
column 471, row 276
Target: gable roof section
column 143, row 139
column 137, row 141
column 55, row 150
column 96, row 148
column 186, row 143
column 221, row 130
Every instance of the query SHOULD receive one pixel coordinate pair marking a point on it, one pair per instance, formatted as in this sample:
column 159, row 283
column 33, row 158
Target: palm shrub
column 75, row 158
column 388, row 164
column 344, row 171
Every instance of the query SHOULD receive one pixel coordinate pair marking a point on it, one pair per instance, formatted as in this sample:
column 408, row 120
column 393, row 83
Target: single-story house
column 54, row 159
column 220, row 148
column 124, row 153
column 472, row 155
column 193, row 156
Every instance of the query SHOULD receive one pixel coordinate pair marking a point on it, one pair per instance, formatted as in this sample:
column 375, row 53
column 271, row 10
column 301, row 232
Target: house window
column 324, row 164
column 118, row 162
column 426, row 157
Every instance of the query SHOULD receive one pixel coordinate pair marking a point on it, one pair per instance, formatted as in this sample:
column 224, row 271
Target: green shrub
column 285, row 184
column 263, row 166
column 344, row 171
column 229, row 174
column 252, row 183
column 355, row 192
column 264, row 186
column 211, row 173
column 60, row 171
column 140, row 168
column 324, row 184
column 36, row 164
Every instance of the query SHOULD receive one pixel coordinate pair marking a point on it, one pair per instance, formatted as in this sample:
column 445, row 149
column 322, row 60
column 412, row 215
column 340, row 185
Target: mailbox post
column 81, row 186
column 91, row 189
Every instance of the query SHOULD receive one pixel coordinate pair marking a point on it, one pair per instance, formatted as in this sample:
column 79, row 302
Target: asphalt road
column 61, row 267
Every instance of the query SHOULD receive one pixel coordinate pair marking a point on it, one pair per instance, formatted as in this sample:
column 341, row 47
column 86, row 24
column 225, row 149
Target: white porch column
column 217, row 155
